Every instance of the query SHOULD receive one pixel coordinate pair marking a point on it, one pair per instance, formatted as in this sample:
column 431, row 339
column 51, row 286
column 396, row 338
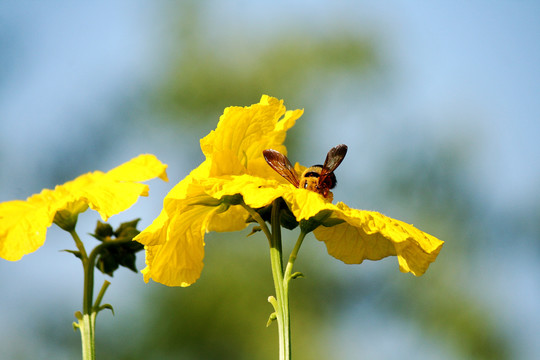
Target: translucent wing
column 281, row 165
column 334, row 157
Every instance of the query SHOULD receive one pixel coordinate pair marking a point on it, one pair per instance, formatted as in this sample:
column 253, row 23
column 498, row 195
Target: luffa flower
column 235, row 176
column 23, row 224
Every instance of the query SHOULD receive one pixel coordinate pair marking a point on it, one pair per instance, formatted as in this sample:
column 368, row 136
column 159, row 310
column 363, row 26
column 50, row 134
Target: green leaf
column 74, row 252
column 106, row 306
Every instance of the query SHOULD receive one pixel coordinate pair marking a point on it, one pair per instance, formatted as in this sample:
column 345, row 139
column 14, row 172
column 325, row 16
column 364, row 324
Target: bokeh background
column 438, row 102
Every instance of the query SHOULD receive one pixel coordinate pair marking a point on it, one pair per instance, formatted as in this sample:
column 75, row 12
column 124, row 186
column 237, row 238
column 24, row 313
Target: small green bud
column 66, row 220
column 119, row 247
column 271, row 318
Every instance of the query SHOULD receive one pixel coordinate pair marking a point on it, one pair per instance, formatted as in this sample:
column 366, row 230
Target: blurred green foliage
column 431, row 184
column 208, row 76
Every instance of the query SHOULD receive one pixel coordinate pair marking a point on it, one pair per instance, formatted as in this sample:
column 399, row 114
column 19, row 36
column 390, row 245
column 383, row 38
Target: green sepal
column 119, row 247
column 127, row 230
column 297, row 275
column 222, row 208
column 103, row 231
column 111, row 257
column 235, row 199
column 227, row 200
column 205, row 201
column 323, row 218
column 66, row 220
column 287, row 218
column 106, row 262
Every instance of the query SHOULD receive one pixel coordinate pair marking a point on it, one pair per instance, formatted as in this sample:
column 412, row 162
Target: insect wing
column 334, row 157
column 281, row 165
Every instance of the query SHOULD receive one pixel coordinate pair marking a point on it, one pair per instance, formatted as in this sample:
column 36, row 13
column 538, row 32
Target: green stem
column 282, row 306
column 292, row 258
column 87, row 327
column 89, row 267
column 281, row 279
column 87, row 320
column 104, row 287
column 79, row 244
column 255, row 215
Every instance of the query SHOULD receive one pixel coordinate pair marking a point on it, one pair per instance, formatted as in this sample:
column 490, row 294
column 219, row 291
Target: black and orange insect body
column 318, row 178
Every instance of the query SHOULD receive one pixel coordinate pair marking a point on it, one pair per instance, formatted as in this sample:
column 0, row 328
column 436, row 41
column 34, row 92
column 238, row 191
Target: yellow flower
column 209, row 198
column 23, row 224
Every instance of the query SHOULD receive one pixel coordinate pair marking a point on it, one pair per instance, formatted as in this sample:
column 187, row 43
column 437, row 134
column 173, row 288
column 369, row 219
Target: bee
column 318, row 178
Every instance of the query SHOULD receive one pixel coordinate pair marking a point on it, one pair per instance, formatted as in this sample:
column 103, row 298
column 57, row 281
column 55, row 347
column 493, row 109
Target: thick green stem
column 79, row 244
column 282, row 308
column 87, row 327
column 87, row 320
column 89, row 266
column 281, row 279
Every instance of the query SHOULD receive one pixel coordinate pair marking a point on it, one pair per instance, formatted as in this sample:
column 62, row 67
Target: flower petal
column 115, row 191
column 23, row 224
column 257, row 192
column 156, row 233
column 233, row 219
column 234, row 165
column 236, row 146
column 23, row 227
column 305, row 204
column 142, row 168
column 179, row 261
column 106, row 195
column 373, row 236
